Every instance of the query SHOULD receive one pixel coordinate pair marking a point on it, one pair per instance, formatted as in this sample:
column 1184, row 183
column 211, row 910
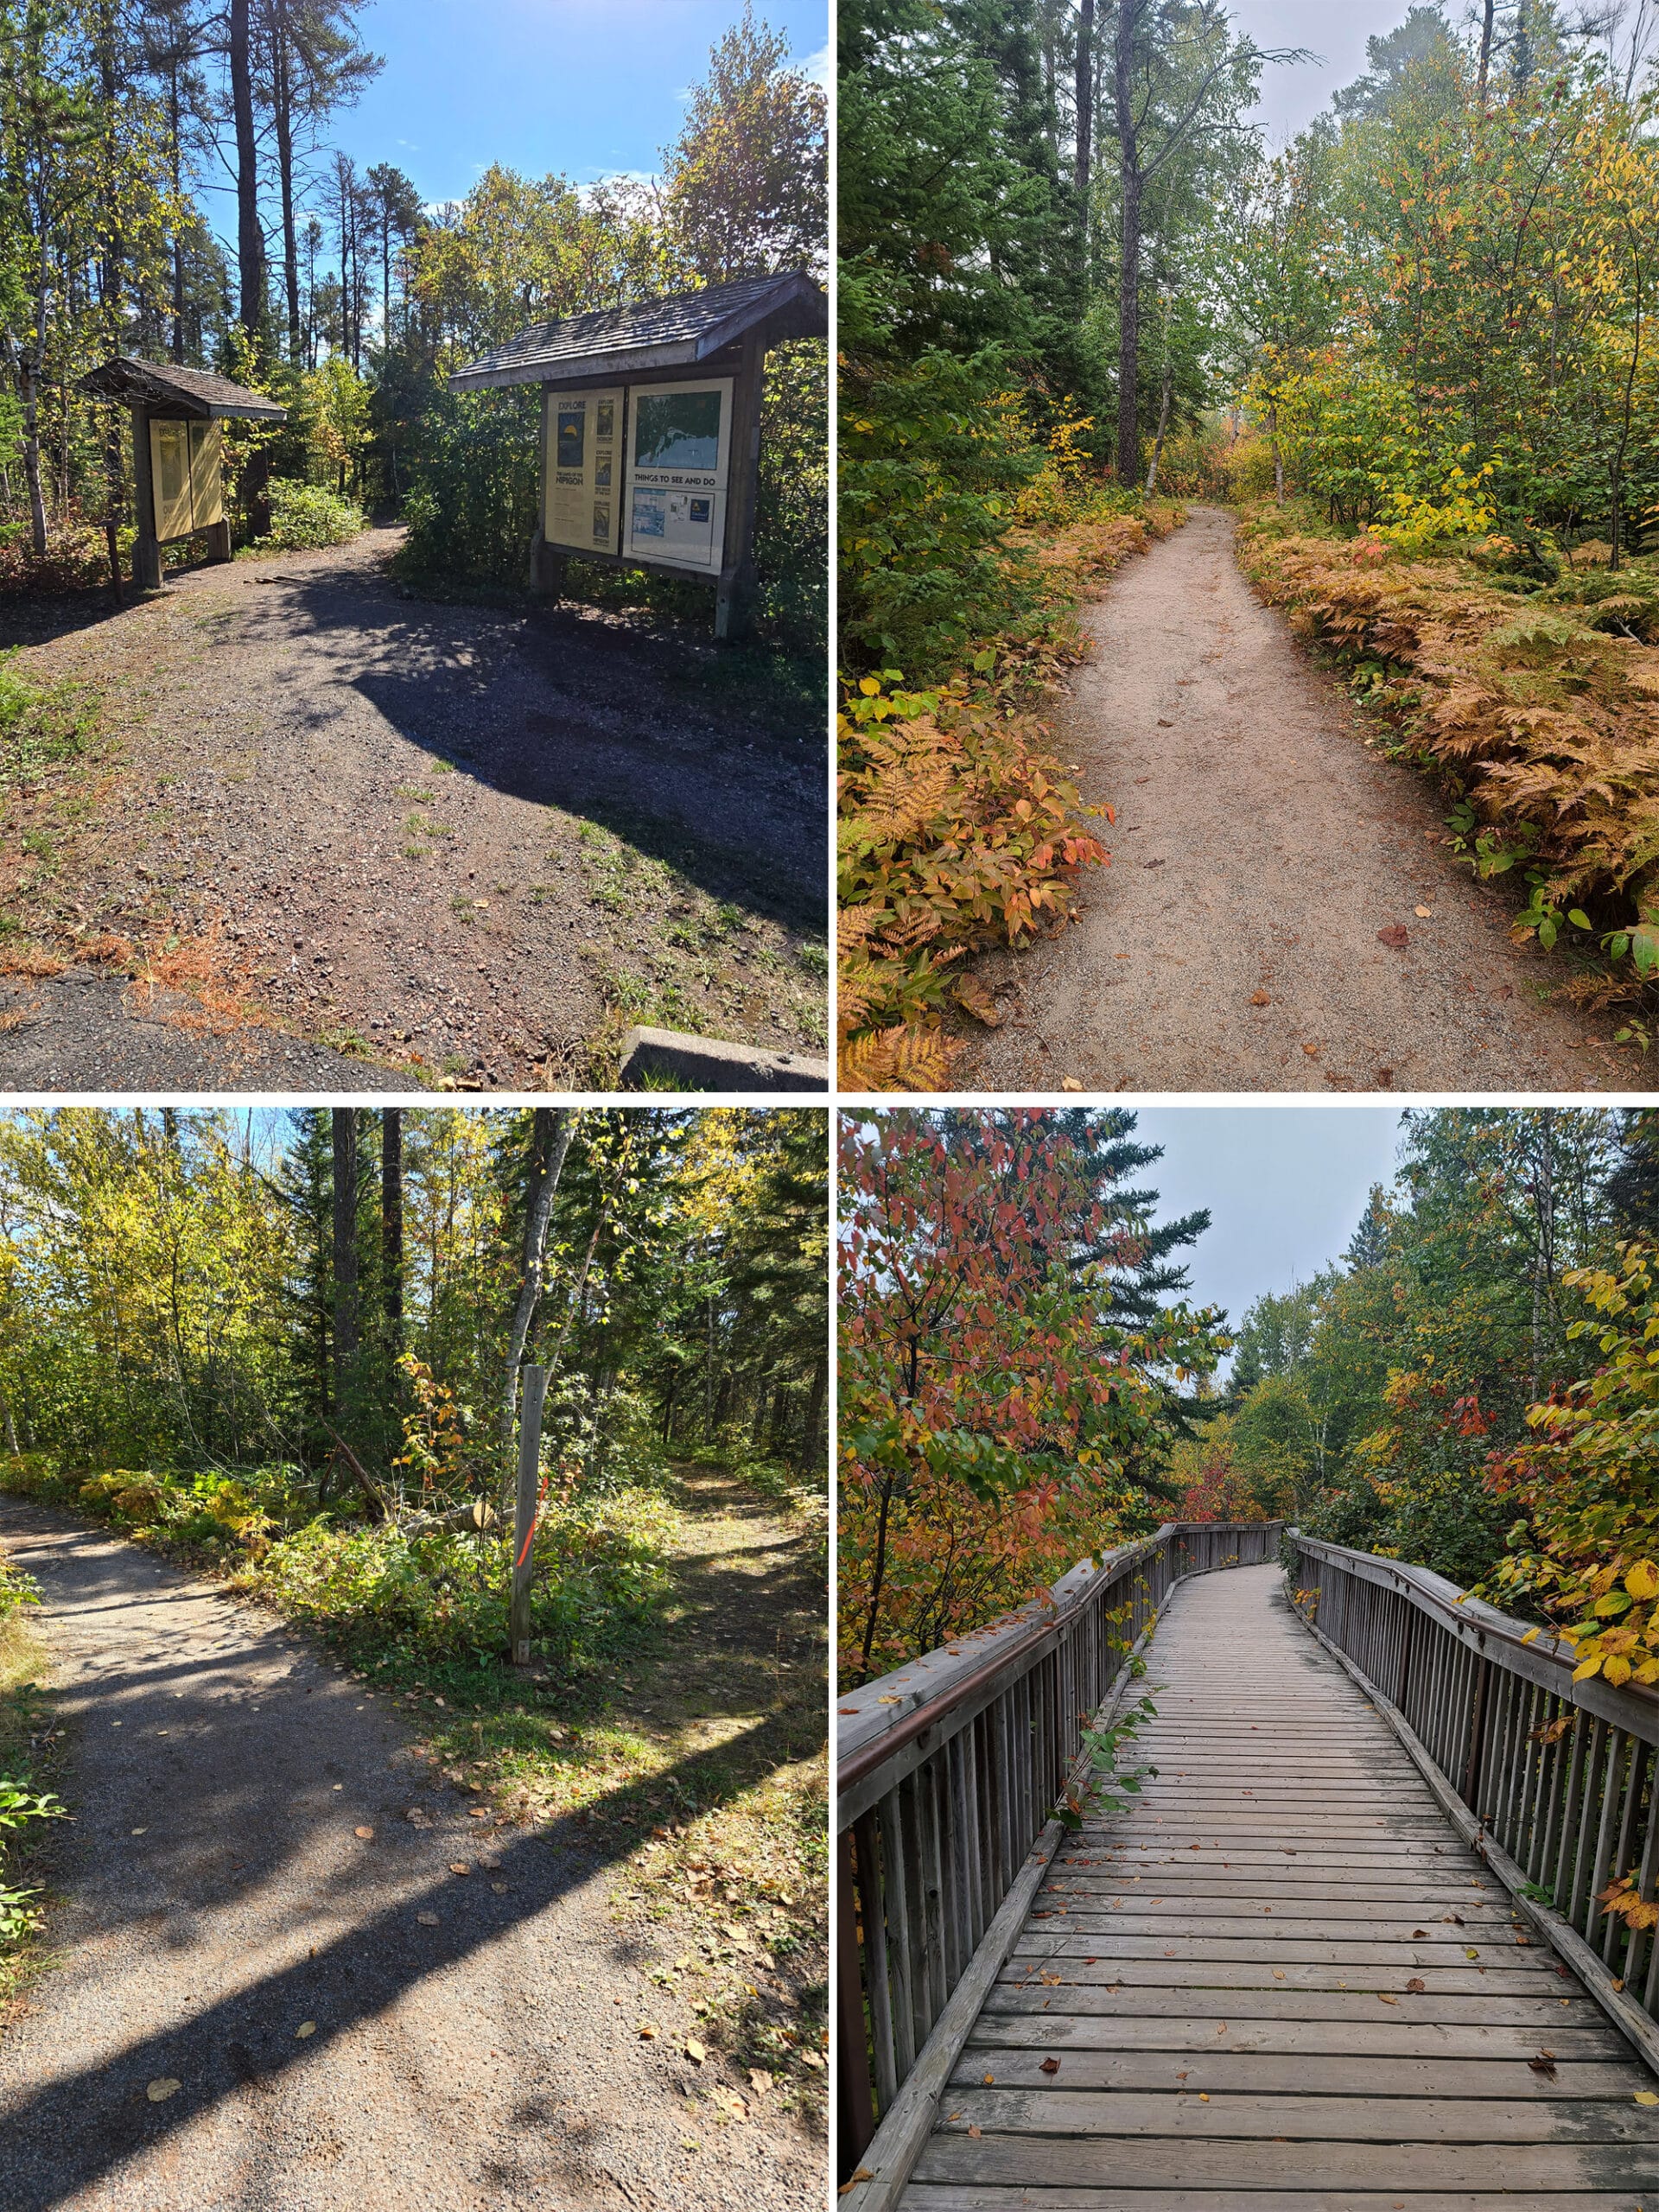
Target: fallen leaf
column 1394, row 937
column 1069, row 1082
column 1260, row 998
column 490, row 1858
column 140, row 1831
column 990, row 2081
column 975, row 2132
column 460, row 1866
column 1049, row 2066
column 1471, row 1954
column 479, row 1813
column 1543, row 2064
column 160, row 2091
column 1423, row 913
column 646, row 2034
column 1647, row 2096
column 760, row 2081
column 427, row 1919
column 1420, row 1934
column 500, row 1888
column 812, row 2058
column 1313, row 1052
column 306, row 2028
column 364, row 1833
column 1416, row 1985
column 858, row 2174
column 1383, row 1997
column 693, row 2051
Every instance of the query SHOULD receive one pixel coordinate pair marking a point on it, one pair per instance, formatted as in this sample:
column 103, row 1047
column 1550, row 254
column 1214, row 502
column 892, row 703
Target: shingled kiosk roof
column 188, row 392
column 683, row 331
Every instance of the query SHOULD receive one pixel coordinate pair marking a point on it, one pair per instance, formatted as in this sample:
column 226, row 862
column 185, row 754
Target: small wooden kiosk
column 650, row 429
column 176, row 457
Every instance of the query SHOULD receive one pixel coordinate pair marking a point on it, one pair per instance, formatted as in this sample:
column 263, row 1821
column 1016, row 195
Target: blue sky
column 1286, row 1184
column 588, row 88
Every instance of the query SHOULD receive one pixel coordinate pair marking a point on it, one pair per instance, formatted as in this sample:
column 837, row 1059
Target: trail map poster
column 185, row 477
column 680, row 440
column 584, row 464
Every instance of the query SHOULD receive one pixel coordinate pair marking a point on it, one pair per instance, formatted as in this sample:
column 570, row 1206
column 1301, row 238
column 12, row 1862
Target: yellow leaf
column 1616, row 1671
column 1531, row 1636
column 1642, row 1580
column 869, row 686
column 160, row 2091
column 1647, row 2096
column 306, row 2028
column 1590, row 1667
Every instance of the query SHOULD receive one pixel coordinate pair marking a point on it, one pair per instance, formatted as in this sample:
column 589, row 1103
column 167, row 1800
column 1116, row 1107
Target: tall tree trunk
column 250, row 238
column 812, row 1427
column 281, row 84
column 1128, row 177
column 1485, row 53
column 175, row 166
column 550, row 1136
column 1084, row 96
column 1163, row 425
column 111, row 268
column 344, row 1125
column 392, row 1226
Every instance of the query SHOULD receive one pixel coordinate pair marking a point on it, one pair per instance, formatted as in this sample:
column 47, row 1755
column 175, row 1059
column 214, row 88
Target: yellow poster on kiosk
column 186, row 476
column 679, row 457
column 583, row 432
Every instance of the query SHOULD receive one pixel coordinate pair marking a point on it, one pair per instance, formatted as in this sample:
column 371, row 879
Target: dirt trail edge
column 1232, row 944
column 475, row 2040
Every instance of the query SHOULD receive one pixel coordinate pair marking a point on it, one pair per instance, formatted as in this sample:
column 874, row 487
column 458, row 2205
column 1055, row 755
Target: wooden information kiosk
column 176, row 452
column 651, row 430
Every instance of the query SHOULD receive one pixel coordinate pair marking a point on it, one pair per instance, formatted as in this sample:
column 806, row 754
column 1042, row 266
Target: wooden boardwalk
column 1282, row 1980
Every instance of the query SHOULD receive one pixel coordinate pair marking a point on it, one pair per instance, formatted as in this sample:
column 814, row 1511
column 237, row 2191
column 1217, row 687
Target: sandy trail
column 1232, row 944
column 218, row 1897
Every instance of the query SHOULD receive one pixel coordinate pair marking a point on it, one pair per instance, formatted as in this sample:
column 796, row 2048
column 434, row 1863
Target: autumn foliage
column 1541, row 715
column 1586, row 1549
column 993, row 1413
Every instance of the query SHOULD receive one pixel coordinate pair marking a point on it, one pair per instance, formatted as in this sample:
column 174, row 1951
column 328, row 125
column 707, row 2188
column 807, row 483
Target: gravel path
column 86, row 1030
column 478, row 838
column 1232, row 944
column 219, row 1897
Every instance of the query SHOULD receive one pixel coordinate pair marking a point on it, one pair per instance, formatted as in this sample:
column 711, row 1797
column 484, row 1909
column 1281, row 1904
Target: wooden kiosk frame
column 179, row 491
column 697, row 338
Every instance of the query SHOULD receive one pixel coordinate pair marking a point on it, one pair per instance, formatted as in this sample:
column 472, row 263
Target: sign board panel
column 679, row 456
column 186, row 476
column 584, row 476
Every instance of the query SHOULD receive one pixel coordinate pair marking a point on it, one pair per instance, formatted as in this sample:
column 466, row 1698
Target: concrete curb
column 712, row 1063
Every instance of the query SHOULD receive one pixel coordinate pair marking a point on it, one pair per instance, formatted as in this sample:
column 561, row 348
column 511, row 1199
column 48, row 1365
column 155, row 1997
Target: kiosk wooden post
column 146, row 546
column 734, row 594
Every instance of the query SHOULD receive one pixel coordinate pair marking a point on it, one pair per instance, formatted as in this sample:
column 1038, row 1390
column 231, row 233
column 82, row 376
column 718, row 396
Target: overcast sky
column 1336, row 30
column 1286, row 1185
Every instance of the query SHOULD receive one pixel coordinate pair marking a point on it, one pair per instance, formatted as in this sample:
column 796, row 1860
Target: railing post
column 1477, row 1727
column 857, row 2105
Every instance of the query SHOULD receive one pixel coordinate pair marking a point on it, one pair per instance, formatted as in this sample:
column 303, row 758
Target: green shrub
column 471, row 514
column 305, row 515
column 443, row 1594
column 16, row 1590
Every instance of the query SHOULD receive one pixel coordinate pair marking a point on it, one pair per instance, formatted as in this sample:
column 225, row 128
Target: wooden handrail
column 1556, row 1783
column 947, row 1771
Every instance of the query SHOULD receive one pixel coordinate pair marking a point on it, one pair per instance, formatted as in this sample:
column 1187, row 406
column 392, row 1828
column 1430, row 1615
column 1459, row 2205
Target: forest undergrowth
column 959, row 827
column 1529, row 690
